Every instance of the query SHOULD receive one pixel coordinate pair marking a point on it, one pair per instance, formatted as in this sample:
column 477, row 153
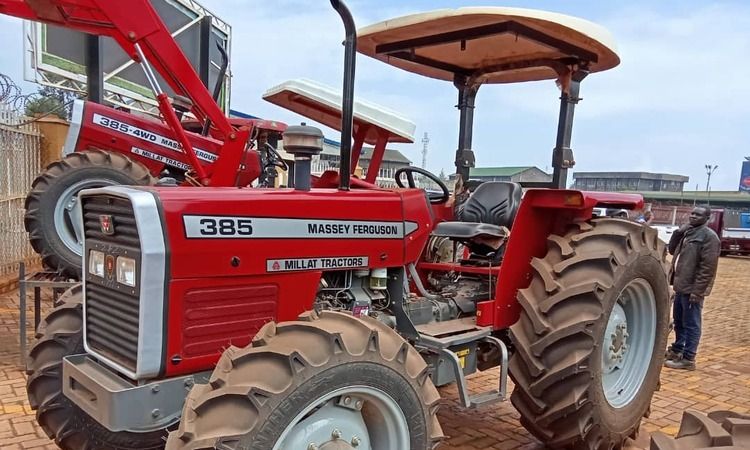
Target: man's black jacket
column 696, row 256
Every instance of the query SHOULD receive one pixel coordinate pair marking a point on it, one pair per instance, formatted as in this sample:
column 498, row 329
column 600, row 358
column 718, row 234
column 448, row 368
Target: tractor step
column 451, row 332
column 441, row 337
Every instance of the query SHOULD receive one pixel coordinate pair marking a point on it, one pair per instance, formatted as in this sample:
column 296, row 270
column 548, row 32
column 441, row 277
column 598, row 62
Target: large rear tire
column 60, row 334
column 590, row 340
column 330, row 380
column 52, row 206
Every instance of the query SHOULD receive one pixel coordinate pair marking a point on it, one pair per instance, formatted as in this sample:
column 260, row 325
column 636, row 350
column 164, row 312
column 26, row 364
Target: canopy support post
column 467, row 93
column 562, row 155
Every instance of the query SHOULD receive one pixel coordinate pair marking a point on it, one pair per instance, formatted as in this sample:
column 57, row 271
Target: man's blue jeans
column 687, row 325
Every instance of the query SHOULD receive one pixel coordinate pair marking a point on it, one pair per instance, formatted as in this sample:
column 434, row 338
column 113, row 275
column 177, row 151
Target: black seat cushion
column 493, row 205
column 464, row 231
column 494, row 202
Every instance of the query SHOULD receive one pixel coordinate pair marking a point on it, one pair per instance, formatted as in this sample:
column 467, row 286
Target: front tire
column 52, row 205
column 60, row 334
column 590, row 340
column 328, row 379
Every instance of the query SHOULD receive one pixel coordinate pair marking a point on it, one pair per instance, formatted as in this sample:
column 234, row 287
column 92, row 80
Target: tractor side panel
column 146, row 140
column 242, row 257
column 542, row 212
column 206, row 315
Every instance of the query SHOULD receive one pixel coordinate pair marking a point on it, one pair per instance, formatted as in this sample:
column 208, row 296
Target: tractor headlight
column 96, row 263
column 126, row 271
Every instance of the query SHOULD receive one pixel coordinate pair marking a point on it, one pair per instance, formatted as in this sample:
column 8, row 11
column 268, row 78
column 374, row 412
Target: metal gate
column 20, row 150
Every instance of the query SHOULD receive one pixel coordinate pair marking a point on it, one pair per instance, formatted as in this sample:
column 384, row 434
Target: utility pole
column 425, row 141
column 709, row 171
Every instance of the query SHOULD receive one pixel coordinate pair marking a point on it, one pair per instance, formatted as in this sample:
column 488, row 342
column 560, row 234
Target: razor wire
column 12, row 95
column 16, row 101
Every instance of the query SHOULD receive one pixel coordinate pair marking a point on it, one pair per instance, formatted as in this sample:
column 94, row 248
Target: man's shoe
column 682, row 363
column 672, row 355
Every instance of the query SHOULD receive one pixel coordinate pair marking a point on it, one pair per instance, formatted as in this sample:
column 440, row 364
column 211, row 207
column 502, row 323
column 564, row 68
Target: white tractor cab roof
column 373, row 124
column 475, row 46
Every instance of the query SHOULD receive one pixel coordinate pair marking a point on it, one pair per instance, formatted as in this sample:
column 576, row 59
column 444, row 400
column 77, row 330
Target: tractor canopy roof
column 322, row 104
column 489, row 44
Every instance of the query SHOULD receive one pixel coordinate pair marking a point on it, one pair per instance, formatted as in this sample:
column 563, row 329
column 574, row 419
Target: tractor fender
column 542, row 212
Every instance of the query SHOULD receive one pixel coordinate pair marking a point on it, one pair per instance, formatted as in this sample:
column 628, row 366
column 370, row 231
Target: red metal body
column 152, row 143
column 214, row 303
column 230, row 292
column 542, row 212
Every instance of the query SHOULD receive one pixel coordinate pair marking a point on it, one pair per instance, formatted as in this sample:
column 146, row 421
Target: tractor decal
column 217, row 227
column 344, row 262
column 147, row 136
column 157, row 157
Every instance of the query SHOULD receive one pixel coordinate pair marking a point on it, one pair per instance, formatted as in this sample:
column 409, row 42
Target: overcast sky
column 680, row 98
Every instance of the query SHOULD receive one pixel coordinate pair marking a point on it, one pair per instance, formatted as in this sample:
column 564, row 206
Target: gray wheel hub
column 352, row 418
column 617, row 330
column 628, row 343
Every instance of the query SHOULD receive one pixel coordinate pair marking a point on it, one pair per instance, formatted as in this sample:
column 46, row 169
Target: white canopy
column 322, row 104
column 502, row 45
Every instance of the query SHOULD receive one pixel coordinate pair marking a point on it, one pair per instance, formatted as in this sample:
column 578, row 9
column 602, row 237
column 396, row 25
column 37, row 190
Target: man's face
column 698, row 216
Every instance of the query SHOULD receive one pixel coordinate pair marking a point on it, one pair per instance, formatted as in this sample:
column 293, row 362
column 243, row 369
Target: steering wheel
column 410, row 171
column 275, row 158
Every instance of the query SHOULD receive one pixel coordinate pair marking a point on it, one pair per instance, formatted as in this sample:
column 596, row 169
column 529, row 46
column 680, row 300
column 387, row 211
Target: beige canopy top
column 491, row 44
column 322, row 104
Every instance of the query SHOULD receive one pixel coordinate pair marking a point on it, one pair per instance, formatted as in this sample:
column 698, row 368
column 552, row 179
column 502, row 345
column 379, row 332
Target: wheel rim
column 356, row 417
column 628, row 343
column 67, row 212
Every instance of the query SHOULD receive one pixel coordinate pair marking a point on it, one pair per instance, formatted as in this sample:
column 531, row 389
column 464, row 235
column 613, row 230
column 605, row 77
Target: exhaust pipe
column 347, row 108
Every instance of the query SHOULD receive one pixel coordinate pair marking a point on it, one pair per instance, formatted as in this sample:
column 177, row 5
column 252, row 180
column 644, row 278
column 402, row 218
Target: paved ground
column 721, row 382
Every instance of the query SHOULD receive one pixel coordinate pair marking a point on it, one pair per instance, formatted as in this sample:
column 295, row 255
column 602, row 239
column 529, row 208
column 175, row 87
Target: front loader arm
column 134, row 24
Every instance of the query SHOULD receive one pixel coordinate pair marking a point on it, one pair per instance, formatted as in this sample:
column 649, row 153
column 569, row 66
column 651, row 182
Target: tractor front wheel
column 590, row 340
column 325, row 381
column 60, row 334
column 52, row 207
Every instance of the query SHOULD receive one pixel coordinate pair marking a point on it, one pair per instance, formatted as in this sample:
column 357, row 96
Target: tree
column 50, row 101
column 442, row 175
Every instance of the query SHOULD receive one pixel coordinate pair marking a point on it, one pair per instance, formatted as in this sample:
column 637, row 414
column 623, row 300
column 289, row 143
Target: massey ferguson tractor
column 107, row 146
column 308, row 318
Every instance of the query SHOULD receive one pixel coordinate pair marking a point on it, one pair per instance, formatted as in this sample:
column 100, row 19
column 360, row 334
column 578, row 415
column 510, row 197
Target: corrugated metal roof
column 699, row 196
column 390, row 155
column 640, row 175
column 497, row 171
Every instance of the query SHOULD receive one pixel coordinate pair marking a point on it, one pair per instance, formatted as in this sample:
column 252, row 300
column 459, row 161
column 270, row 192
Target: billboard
column 745, row 177
column 55, row 56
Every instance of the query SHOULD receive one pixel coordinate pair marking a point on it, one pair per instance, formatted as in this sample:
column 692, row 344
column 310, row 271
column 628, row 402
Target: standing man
column 695, row 249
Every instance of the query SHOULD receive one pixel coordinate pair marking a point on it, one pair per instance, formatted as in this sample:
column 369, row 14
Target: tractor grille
column 112, row 311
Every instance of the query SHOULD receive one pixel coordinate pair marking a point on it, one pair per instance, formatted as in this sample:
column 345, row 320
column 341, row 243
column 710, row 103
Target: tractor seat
column 489, row 212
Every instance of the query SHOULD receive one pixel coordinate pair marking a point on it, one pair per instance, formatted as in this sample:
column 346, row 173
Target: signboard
column 745, row 177
column 55, row 56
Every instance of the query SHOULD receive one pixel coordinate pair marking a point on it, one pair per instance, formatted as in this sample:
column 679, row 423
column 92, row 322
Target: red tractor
column 107, row 146
column 308, row 317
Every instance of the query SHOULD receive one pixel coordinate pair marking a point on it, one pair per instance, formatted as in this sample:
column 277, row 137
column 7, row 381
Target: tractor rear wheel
column 52, row 206
column 590, row 340
column 325, row 381
column 60, row 334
